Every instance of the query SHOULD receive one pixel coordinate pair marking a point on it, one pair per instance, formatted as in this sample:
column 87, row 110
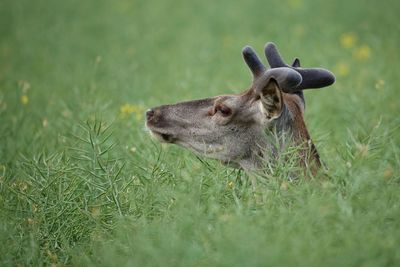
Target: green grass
column 83, row 184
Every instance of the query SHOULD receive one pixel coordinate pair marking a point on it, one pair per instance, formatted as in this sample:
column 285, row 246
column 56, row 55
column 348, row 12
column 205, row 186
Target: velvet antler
column 252, row 60
column 312, row 77
column 287, row 78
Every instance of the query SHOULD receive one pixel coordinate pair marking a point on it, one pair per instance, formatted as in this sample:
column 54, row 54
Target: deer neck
column 291, row 129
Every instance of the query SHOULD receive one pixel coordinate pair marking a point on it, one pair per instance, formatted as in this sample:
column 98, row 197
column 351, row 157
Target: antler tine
column 252, row 60
column 287, row 78
column 315, row 78
column 312, row 77
column 273, row 57
column 296, row 63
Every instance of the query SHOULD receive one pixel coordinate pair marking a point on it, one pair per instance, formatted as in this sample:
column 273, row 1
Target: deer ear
column 271, row 99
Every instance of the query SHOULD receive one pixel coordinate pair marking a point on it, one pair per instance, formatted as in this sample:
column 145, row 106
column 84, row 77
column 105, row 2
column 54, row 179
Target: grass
column 83, row 184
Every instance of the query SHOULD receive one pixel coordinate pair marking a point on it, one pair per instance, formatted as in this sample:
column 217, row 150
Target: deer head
column 232, row 128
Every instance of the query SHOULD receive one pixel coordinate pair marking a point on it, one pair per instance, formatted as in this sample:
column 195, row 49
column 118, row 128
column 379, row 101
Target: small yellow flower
column 127, row 109
column 24, row 99
column 231, row 184
column 53, row 257
column 342, row 69
column 45, row 122
column 23, row 186
column 95, row 211
column 132, row 109
column 380, row 84
column 98, row 60
column 348, row 40
column 284, row 186
column 34, row 208
column 362, row 53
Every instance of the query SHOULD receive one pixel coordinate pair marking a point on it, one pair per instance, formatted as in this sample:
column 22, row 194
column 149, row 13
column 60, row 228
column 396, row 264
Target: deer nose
column 149, row 114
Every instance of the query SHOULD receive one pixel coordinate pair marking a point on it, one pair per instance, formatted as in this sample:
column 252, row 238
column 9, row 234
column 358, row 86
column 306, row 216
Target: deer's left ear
column 271, row 99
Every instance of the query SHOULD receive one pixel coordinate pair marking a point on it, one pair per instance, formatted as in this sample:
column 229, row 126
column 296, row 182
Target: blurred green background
column 82, row 183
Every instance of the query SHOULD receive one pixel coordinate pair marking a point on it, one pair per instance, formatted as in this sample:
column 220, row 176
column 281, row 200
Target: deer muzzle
column 153, row 123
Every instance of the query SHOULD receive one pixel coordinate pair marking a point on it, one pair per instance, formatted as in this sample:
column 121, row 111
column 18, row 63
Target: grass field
column 83, row 184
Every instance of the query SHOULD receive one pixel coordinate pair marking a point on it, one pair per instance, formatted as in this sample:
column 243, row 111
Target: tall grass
column 83, row 184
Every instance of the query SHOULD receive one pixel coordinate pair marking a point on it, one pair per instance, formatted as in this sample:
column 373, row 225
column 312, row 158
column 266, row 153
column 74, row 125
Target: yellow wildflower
column 132, row 109
column 284, row 186
column 362, row 53
column 380, row 84
column 52, row 256
column 45, row 122
column 231, row 184
column 342, row 69
column 348, row 40
column 24, row 99
column 98, row 60
column 34, row 208
column 127, row 109
column 95, row 211
column 21, row 185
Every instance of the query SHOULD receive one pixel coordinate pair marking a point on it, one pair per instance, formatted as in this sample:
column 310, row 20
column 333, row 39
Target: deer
column 236, row 128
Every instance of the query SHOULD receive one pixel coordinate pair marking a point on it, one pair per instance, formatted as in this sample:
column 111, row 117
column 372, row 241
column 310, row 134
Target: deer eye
column 223, row 110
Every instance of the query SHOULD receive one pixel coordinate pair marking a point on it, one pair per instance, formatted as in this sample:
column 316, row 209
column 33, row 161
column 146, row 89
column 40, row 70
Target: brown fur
column 232, row 128
column 238, row 137
column 310, row 154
